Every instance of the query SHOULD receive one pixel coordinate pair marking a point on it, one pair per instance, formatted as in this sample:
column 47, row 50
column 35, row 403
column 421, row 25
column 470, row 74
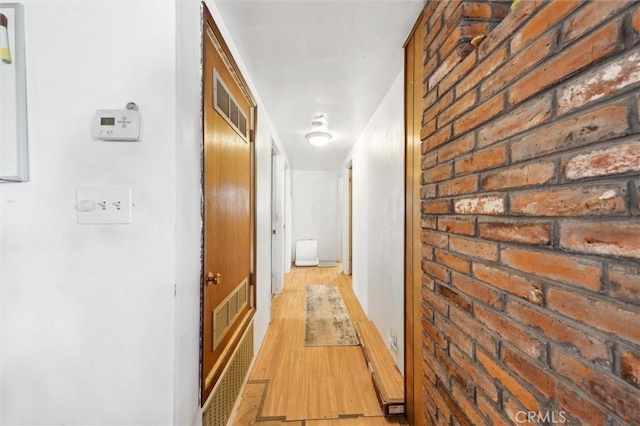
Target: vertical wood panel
column 413, row 123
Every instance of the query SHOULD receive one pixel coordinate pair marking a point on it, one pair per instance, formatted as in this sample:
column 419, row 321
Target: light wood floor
column 294, row 385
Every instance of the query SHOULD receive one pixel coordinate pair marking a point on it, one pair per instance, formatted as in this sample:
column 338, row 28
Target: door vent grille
column 227, row 311
column 226, row 393
column 226, row 105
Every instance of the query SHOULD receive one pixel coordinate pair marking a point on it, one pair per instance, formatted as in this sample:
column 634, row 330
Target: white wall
column 88, row 310
column 100, row 323
column 288, row 222
column 378, row 217
column 189, row 216
column 316, row 209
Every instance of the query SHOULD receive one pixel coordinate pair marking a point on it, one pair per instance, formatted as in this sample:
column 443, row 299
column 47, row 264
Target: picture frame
column 14, row 158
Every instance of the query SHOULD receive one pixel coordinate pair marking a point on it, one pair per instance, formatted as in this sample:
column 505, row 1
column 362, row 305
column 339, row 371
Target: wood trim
column 415, row 27
column 210, row 29
column 413, row 272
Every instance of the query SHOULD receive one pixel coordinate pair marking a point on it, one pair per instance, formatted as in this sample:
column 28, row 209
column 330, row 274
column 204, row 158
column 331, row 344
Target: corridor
column 291, row 384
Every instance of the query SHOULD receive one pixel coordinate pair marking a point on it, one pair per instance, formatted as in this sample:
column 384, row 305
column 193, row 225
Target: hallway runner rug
column 327, row 322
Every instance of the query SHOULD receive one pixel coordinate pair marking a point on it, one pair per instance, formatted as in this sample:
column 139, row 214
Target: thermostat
column 117, row 125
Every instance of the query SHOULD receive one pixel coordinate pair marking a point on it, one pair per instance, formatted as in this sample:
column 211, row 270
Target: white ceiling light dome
column 319, row 138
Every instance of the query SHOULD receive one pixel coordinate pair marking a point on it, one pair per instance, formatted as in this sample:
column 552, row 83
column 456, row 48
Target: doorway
column 277, row 220
column 228, row 285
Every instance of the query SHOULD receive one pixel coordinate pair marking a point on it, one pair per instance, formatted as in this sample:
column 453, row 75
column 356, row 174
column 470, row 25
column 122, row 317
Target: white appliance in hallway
column 307, row 253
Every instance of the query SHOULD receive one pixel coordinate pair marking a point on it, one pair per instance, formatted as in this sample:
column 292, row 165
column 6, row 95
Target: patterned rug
column 327, row 322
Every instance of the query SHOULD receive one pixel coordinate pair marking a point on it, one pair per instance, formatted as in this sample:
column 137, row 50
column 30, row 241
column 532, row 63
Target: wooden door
column 228, row 209
column 414, row 55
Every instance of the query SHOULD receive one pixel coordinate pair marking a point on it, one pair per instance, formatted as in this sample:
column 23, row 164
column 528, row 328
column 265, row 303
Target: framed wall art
column 14, row 158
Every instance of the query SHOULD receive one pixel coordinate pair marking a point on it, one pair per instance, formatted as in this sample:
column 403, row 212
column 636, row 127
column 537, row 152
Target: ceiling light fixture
column 318, row 138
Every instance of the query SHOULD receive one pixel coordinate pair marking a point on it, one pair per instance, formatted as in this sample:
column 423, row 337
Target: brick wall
column 530, row 199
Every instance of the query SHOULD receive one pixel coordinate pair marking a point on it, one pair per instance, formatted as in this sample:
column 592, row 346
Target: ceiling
column 310, row 56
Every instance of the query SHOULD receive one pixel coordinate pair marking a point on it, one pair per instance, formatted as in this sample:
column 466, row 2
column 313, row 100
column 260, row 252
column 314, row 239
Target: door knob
column 213, row 278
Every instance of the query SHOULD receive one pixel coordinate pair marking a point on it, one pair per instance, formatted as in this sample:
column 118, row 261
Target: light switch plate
column 104, row 205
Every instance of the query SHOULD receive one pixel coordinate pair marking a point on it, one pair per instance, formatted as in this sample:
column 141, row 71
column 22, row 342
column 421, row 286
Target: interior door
column 227, row 260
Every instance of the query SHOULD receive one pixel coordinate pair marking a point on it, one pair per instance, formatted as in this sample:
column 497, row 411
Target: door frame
column 223, row 50
column 277, row 219
column 413, row 49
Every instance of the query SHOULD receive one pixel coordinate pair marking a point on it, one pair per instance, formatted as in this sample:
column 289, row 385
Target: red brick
column 513, row 409
column 459, row 417
column 438, row 107
column 456, row 225
column 630, row 367
column 454, row 372
column 622, row 158
column 625, row 282
column 603, row 389
column 428, row 191
column 501, row 10
column 468, row 408
column 602, row 238
column 437, row 173
column 517, row 66
column 477, row 10
column 556, row 267
column 429, row 99
column 445, row 67
column 530, row 371
column 458, row 72
column 452, row 261
column 508, row 331
column 474, row 329
column 428, row 282
column 427, row 129
column 490, row 411
column 432, row 332
column 480, row 114
column 514, row 177
column 541, row 22
column 459, row 107
column 477, row 290
column 587, row 51
column 604, row 80
column 481, row 71
column 441, row 137
column 516, row 285
column 594, row 126
column 456, row 148
column 459, row 186
column 581, row 201
column 482, row 160
column 474, row 248
column 446, row 46
column 610, row 318
column 429, row 222
column 578, row 407
column 590, row 16
column 479, row 378
column 526, row 116
column 431, row 300
column 526, row 232
column 426, row 252
column 480, row 205
column 428, row 160
column 635, row 21
column 456, row 337
column 429, row 357
column 508, row 381
column 455, row 298
column 434, row 239
column 509, row 25
column 436, row 206
column 587, row 345
column 427, row 312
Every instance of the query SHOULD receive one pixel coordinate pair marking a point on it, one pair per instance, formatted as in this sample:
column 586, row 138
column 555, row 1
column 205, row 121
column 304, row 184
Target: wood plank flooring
column 294, row 385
